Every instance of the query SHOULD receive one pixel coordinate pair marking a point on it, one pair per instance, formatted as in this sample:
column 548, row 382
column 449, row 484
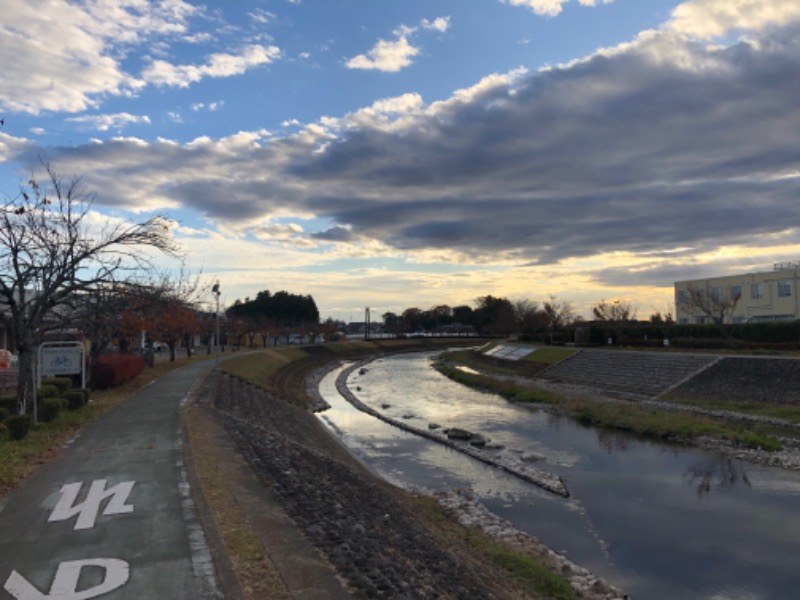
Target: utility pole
column 215, row 290
column 366, row 323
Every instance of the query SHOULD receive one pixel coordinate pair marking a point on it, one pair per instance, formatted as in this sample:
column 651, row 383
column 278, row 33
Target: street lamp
column 215, row 290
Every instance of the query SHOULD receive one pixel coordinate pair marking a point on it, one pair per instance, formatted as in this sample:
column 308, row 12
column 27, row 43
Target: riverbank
column 381, row 541
column 755, row 438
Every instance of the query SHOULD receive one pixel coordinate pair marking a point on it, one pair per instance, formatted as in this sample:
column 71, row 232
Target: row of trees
column 491, row 315
column 59, row 268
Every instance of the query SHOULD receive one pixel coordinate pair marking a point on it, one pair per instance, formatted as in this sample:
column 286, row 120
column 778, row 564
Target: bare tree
column 717, row 305
column 558, row 313
column 50, row 254
column 528, row 315
column 615, row 314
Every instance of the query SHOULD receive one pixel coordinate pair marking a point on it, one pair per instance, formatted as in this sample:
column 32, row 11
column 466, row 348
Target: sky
column 411, row 153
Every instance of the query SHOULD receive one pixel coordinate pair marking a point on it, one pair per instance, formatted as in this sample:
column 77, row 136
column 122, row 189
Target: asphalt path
column 113, row 516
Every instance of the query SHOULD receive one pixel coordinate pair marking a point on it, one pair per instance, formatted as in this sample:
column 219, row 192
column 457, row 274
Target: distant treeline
column 281, row 308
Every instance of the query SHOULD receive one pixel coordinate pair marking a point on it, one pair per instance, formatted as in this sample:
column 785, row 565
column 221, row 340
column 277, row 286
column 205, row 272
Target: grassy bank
column 647, row 421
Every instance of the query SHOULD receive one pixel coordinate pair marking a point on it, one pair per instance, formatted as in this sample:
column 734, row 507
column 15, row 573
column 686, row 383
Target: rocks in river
column 478, row 440
column 494, row 446
column 408, row 416
column 362, row 371
column 384, row 406
column 433, row 426
column 358, row 388
column 532, row 457
column 456, row 433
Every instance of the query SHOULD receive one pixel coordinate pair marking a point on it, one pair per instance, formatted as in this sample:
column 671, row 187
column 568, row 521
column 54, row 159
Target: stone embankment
column 539, row 477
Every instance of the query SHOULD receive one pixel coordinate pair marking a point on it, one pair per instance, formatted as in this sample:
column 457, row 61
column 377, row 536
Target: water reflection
column 634, row 516
column 716, row 472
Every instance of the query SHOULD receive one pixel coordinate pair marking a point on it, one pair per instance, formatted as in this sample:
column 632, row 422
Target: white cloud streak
column 113, row 121
column 163, row 73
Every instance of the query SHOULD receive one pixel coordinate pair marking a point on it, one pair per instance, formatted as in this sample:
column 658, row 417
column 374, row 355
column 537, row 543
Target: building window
column 756, row 290
column 716, row 294
column 700, row 320
column 736, row 292
column 784, row 288
column 682, row 296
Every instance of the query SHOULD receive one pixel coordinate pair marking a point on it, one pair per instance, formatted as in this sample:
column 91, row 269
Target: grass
column 258, row 367
column 779, row 411
column 549, row 355
column 536, row 578
column 256, row 574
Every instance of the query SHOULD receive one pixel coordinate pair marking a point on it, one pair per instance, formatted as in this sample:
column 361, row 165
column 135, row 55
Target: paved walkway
column 113, row 515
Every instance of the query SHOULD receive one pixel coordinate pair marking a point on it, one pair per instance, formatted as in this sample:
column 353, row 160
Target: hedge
column 62, row 383
column 9, row 403
column 115, row 369
column 18, row 426
column 49, row 409
column 75, row 398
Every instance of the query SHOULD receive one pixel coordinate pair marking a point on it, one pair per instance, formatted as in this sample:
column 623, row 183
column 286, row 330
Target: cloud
column 81, row 59
column 440, row 24
column 660, row 144
column 388, row 56
column 106, row 122
column 391, row 56
column 707, row 19
column 551, row 8
column 163, row 73
column 261, row 16
column 211, row 106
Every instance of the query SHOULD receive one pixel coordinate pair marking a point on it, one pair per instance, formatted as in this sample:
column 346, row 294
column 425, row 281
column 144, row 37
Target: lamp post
column 215, row 290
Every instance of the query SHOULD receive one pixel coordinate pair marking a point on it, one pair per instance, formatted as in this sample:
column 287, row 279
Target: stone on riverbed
column 433, row 426
column 455, row 433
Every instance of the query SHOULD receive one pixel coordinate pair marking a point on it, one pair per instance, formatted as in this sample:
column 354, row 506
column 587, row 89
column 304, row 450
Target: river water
column 658, row 521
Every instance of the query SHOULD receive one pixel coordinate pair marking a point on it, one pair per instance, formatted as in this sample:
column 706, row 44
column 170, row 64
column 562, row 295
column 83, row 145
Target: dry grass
column 258, row 578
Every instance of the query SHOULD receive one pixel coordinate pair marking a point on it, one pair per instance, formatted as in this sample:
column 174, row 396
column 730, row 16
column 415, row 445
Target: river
column 657, row 520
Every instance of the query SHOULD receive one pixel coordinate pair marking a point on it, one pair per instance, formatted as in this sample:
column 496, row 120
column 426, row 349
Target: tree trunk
column 26, row 357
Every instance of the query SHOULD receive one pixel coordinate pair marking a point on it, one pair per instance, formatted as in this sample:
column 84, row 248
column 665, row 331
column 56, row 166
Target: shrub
column 18, row 426
column 86, row 394
column 46, row 391
column 75, row 399
column 585, row 417
column 62, row 383
column 115, row 369
column 769, row 443
column 4, row 414
column 9, row 403
column 49, row 409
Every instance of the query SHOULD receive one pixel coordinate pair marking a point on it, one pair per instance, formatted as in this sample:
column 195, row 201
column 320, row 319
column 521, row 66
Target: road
column 113, row 516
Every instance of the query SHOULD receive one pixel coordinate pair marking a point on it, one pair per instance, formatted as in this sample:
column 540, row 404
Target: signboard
column 56, row 361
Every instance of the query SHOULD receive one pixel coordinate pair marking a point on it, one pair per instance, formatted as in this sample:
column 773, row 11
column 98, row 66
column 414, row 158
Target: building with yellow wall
column 763, row 296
